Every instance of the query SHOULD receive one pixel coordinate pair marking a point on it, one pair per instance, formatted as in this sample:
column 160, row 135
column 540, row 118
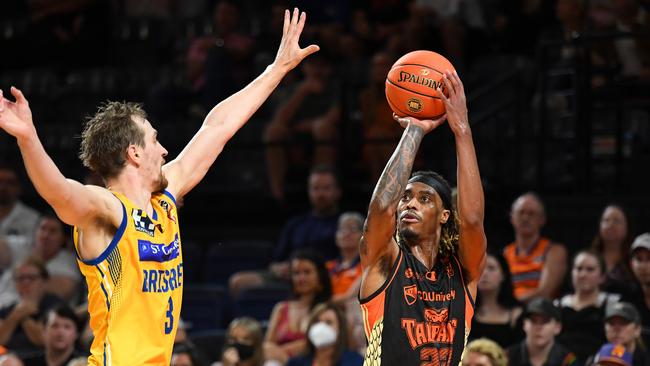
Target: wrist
column 276, row 69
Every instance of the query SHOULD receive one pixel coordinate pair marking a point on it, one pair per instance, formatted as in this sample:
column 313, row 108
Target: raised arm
column 73, row 202
column 471, row 202
column 380, row 224
column 187, row 170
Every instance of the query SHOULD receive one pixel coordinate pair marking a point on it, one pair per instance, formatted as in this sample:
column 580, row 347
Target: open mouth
column 409, row 217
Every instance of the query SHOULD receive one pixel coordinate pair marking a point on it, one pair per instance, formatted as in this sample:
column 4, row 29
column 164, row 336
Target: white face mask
column 322, row 335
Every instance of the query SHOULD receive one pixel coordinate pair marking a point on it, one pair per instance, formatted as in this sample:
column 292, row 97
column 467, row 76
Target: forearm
column 44, row 174
column 7, row 327
column 34, row 331
column 393, row 179
column 471, row 200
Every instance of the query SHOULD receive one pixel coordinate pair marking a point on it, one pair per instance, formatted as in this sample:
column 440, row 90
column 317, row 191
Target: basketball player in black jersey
column 421, row 260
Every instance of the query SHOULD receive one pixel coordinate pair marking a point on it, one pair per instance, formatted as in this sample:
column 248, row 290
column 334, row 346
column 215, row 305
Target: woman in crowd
column 498, row 313
column 310, row 285
column 328, row 340
column 244, row 344
column 583, row 311
column 612, row 242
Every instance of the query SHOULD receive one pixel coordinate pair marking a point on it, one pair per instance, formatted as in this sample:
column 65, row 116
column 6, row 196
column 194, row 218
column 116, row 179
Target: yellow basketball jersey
column 134, row 287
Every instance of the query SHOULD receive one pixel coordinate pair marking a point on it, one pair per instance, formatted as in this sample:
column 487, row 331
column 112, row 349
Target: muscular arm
column 184, row 172
column 471, row 206
column 552, row 276
column 471, row 202
column 380, row 224
column 73, row 202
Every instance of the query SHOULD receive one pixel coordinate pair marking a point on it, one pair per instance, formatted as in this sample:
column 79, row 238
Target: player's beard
column 408, row 236
column 161, row 183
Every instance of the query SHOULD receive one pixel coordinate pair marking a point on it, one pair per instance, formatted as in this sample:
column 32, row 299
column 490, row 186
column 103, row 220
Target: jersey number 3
column 435, row 357
column 169, row 323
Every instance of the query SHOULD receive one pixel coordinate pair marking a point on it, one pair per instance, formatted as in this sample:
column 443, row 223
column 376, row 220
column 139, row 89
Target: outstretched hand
column 455, row 103
column 16, row 117
column 289, row 53
column 425, row 124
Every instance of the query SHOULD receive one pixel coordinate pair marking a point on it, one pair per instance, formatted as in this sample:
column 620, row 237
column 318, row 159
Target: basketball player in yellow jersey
column 127, row 236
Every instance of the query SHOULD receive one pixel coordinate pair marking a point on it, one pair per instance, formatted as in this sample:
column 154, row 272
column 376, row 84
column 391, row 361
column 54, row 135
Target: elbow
column 472, row 220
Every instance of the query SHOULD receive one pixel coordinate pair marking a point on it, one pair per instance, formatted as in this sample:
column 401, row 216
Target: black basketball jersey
column 418, row 317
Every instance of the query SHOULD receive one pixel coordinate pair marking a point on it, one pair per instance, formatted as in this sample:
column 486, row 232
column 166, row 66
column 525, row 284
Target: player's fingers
column 301, row 23
column 459, row 83
column 449, row 83
column 309, row 50
column 287, row 21
column 20, row 98
column 294, row 19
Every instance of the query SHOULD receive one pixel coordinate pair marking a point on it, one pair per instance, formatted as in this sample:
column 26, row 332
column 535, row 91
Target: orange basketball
column 412, row 83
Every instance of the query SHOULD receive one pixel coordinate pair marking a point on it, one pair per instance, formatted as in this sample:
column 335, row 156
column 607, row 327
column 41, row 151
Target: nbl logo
column 414, row 105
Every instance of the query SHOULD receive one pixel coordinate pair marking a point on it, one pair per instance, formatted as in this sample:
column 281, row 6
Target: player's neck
column 426, row 250
column 131, row 185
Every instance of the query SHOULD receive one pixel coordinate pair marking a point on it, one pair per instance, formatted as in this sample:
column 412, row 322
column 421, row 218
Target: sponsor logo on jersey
column 412, row 294
column 142, row 222
column 154, row 252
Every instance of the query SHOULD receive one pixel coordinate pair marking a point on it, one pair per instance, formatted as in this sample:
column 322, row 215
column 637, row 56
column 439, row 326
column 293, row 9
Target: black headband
column 442, row 189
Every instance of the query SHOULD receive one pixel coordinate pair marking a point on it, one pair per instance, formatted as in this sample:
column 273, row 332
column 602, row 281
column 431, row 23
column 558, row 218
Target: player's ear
column 444, row 216
column 132, row 153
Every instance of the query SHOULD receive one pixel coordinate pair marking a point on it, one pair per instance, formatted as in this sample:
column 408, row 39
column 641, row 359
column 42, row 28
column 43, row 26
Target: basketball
column 412, row 83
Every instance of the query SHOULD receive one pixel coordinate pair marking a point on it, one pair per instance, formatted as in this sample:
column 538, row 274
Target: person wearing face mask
column 327, row 335
column 244, row 345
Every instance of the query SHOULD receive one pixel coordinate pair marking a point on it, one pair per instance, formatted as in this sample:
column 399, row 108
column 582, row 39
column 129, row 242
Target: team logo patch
column 435, row 315
column 410, row 294
column 142, row 222
column 168, row 208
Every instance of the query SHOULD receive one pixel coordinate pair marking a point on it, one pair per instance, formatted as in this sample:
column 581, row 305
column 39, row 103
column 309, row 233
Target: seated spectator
column 327, row 333
column 311, row 285
column 244, row 345
column 50, row 247
column 345, row 271
column 184, row 354
column 315, row 229
column 60, row 336
column 542, row 322
column 16, row 218
column 21, row 329
column 613, row 355
column 613, row 243
column 640, row 298
column 583, row 311
column 312, row 110
column 380, row 132
column 498, row 313
column 537, row 264
column 623, row 326
column 484, row 352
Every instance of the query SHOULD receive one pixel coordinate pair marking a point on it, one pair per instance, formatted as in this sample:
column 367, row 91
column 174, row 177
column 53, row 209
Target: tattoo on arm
column 393, row 180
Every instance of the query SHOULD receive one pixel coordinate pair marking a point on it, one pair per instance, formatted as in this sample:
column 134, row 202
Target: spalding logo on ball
column 412, row 84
